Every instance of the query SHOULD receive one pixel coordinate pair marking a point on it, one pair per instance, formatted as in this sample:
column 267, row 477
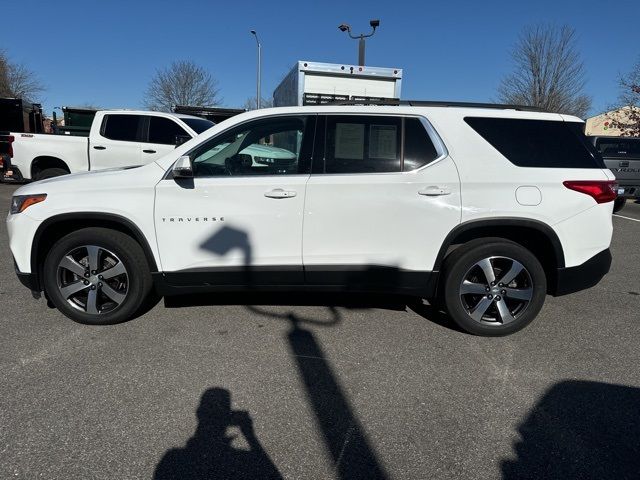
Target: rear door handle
column 99, row 147
column 280, row 193
column 149, row 151
column 435, row 191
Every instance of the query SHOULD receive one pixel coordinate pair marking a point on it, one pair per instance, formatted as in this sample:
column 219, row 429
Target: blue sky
column 105, row 52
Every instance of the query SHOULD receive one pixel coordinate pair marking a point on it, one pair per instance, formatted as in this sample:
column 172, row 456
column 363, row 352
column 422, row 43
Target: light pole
column 255, row 34
column 345, row 27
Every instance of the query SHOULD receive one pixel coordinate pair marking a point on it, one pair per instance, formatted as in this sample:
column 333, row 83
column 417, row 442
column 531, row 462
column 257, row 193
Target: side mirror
column 182, row 168
column 180, row 139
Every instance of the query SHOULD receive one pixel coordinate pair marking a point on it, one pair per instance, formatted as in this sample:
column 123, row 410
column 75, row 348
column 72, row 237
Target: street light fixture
column 345, row 27
column 255, row 34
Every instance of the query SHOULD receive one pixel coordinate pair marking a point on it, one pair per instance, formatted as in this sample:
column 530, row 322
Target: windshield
column 198, row 125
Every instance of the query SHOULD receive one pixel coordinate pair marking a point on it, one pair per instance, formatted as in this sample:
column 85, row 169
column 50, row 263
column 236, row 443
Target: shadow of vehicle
column 580, row 430
column 209, row 454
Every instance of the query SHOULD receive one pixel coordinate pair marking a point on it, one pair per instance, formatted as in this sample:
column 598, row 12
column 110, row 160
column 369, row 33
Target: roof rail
column 439, row 103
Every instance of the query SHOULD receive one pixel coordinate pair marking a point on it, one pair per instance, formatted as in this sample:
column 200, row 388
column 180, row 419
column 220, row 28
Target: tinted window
column 164, row 130
column 271, row 146
column 418, row 147
column 121, row 127
column 619, row 147
column 198, row 125
column 538, row 143
column 359, row 144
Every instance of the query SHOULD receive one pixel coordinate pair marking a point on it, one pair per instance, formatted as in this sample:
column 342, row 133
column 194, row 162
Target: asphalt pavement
column 323, row 386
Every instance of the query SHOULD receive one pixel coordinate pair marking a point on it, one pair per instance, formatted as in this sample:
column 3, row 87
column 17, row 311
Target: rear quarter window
column 538, row 143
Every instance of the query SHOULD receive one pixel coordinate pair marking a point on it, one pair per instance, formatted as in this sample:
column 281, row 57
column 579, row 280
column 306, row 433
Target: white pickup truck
column 118, row 138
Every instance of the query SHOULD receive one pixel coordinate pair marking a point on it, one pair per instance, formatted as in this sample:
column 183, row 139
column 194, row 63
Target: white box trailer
column 314, row 83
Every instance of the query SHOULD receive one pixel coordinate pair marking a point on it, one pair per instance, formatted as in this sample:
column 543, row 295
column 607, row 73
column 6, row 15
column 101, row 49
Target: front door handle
column 280, row 193
column 99, row 147
column 435, row 191
column 149, row 151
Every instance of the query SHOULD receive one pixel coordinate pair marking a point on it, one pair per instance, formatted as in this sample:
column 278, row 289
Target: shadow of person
column 580, row 430
column 210, row 453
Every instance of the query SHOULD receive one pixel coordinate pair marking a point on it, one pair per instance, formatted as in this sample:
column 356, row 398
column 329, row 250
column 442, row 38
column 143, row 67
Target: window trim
column 139, row 131
column 310, row 115
column 435, row 138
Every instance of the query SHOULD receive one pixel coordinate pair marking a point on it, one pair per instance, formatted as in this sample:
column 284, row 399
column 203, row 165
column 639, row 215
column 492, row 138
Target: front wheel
column 493, row 287
column 97, row 276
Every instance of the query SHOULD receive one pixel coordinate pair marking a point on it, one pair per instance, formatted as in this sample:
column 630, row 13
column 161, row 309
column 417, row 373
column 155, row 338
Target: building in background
column 602, row 125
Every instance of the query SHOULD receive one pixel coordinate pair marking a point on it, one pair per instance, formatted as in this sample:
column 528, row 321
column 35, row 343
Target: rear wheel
column 618, row 204
column 493, row 287
column 50, row 173
column 97, row 276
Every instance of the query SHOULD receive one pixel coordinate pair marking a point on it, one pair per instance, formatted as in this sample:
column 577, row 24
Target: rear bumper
column 629, row 191
column 581, row 277
column 9, row 173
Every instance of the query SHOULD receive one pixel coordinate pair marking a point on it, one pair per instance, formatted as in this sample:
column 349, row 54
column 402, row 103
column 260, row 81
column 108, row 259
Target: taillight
column 10, row 139
column 602, row 191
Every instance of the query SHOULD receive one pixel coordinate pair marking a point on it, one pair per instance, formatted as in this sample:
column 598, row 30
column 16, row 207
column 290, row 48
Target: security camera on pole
column 344, row 27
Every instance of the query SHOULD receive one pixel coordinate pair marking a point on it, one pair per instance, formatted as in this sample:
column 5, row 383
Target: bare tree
column 627, row 111
column 17, row 81
column 548, row 72
column 250, row 104
column 4, row 75
column 182, row 83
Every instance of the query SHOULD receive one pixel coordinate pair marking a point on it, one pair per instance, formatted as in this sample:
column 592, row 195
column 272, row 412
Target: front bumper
column 581, row 277
column 29, row 280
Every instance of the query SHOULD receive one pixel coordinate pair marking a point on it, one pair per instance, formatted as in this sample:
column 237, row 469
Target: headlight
column 20, row 203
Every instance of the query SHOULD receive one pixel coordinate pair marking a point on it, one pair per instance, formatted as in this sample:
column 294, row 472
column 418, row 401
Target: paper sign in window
column 349, row 141
column 383, row 142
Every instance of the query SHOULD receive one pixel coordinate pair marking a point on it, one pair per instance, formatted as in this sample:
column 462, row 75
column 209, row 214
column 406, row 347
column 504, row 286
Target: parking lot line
column 628, row 218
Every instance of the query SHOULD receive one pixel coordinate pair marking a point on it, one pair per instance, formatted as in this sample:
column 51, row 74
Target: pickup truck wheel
column 618, row 204
column 50, row 173
column 97, row 276
column 493, row 287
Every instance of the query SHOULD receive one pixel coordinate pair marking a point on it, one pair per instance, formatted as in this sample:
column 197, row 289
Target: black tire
column 110, row 242
column 462, row 264
column 50, row 173
column 618, row 204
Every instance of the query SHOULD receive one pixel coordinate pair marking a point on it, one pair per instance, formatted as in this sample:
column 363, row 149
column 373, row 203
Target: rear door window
column 164, row 131
column 538, row 143
column 372, row 144
column 121, row 127
column 362, row 144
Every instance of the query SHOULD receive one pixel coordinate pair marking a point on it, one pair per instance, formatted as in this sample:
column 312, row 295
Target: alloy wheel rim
column 92, row 279
column 496, row 290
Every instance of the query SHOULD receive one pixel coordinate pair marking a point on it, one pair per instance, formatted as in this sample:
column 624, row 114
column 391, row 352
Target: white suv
column 482, row 208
